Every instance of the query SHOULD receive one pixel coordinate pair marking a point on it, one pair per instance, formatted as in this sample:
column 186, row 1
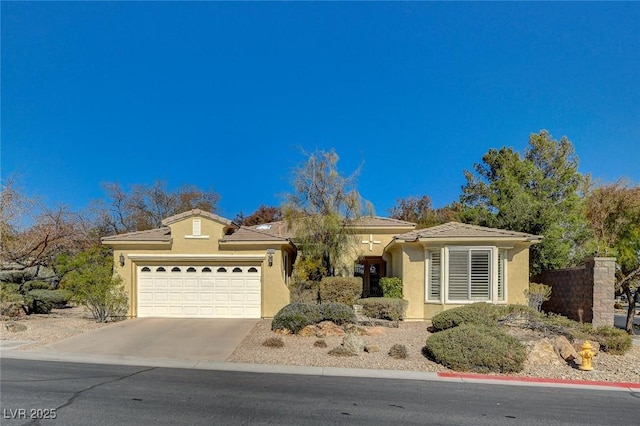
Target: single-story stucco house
column 201, row 265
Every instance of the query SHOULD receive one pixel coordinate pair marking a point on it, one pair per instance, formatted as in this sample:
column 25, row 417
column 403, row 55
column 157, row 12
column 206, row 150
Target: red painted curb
column 538, row 380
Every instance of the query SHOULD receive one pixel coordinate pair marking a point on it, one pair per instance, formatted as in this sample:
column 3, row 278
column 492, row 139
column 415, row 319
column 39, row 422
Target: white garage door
column 199, row 291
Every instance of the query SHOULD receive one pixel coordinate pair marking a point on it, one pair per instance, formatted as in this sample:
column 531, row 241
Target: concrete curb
column 55, row 356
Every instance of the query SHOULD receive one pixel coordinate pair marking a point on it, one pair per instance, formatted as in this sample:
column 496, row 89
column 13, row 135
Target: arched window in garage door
column 252, row 269
column 146, row 269
column 237, row 270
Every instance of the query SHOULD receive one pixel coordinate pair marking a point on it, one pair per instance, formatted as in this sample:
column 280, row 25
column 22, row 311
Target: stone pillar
column 604, row 282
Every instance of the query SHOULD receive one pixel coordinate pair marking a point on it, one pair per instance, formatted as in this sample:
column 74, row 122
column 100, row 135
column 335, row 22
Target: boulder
column 564, row 348
column 328, row 328
column 353, row 343
column 542, row 352
column 595, row 346
column 371, row 349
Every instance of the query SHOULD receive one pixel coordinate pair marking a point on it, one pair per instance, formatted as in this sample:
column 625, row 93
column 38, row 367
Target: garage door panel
column 192, row 292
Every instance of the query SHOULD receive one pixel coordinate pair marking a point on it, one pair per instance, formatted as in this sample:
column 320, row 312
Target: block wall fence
column 585, row 293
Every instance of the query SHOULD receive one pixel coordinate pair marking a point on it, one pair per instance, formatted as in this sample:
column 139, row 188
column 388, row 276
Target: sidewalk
column 57, row 356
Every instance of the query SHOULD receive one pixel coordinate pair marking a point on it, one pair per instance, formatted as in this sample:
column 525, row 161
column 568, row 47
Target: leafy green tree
column 89, row 276
column 321, row 209
column 540, row 193
column 421, row 212
column 613, row 211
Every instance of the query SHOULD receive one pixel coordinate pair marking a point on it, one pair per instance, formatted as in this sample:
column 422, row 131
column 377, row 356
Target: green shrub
column 296, row 316
column 57, row 298
column 11, row 300
column 345, row 290
column 384, row 308
column 391, row 287
column 398, row 351
column 477, row 348
column 273, row 342
column 304, row 291
column 36, row 285
column 612, row 340
column 476, row 313
column 37, row 306
column 338, row 313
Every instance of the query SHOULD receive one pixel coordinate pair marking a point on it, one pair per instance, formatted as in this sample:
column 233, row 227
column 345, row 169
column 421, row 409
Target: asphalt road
column 32, row 392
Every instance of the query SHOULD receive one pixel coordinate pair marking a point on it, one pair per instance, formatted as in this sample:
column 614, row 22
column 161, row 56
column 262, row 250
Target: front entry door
column 371, row 269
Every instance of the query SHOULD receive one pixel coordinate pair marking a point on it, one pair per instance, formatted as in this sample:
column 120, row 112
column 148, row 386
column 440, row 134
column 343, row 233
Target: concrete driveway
column 192, row 339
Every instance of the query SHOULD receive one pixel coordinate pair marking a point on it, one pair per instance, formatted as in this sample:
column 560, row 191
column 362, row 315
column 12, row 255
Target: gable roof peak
column 197, row 212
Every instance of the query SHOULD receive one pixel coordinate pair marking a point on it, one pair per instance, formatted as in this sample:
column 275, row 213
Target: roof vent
column 263, row 227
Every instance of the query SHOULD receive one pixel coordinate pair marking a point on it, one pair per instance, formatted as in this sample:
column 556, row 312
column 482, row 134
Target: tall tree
column 34, row 234
column 613, row 211
column 264, row 214
column 322, row 206
column 421, row 212
column 539, row 193
column 145, row 206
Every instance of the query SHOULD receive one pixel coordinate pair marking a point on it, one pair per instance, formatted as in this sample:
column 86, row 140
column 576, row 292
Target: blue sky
column 223, row 95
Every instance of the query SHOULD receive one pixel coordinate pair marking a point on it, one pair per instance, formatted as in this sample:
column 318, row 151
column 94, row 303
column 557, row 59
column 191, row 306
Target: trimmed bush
column 296, row 316
column 612, row 340
column 36, row 285
column 384, row 308
column 391, row 287
column 338, row 313
column 304, row 291
column 11, row 300
column 477, row 348
column 345, row 290
column 476, row 313
column 57, row 298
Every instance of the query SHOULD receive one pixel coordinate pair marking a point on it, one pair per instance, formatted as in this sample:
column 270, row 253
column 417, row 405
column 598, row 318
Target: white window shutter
column 435, row 268
column 197, row 225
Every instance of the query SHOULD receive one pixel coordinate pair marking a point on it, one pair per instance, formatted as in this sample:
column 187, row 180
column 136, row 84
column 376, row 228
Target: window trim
column 496, row 254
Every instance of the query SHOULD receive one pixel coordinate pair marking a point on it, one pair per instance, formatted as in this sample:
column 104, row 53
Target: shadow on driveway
column 174, row 338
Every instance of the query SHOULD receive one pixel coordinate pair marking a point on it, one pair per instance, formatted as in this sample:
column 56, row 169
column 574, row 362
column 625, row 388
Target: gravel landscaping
column 38, row 330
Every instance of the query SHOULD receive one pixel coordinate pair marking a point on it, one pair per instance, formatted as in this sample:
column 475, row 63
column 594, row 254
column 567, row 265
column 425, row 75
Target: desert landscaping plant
column 346, row 290
column 341, row 351
column 537, row 294
column 398, row 351
column 337, row 313
column 384, row 308
column 476, row 313
column 320, row 343
column 273, row 342
column 476, row 348
column 93, row 284
column 296, row 316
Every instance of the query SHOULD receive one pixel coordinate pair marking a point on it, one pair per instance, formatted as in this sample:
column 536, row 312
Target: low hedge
column 345, row 290
column 476, row 313
column 57, row 298
column 384, row 308
column 296, row 316
column 477, row 348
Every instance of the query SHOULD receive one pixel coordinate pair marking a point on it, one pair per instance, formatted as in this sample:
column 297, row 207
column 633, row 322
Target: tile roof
column 463, row 230
column 158, row 234
column 253, row 234
column 380, row 222
column 196, row 212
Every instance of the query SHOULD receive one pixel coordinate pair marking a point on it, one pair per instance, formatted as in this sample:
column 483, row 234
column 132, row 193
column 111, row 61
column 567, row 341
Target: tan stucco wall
column 408, row 263
column 275, row 293
column 379, row 240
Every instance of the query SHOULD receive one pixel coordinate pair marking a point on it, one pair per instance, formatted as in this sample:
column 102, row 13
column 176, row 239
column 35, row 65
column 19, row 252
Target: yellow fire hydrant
column 587, row 355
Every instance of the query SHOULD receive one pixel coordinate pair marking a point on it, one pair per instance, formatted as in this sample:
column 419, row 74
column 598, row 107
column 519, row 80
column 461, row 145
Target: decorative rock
column 328, row 328
column 542, row 352
column 353, row 343
column 308, row 331
column 564, row 349
column 15, row 327
column 376, row 331
column 371, row 349
column 356, row 329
